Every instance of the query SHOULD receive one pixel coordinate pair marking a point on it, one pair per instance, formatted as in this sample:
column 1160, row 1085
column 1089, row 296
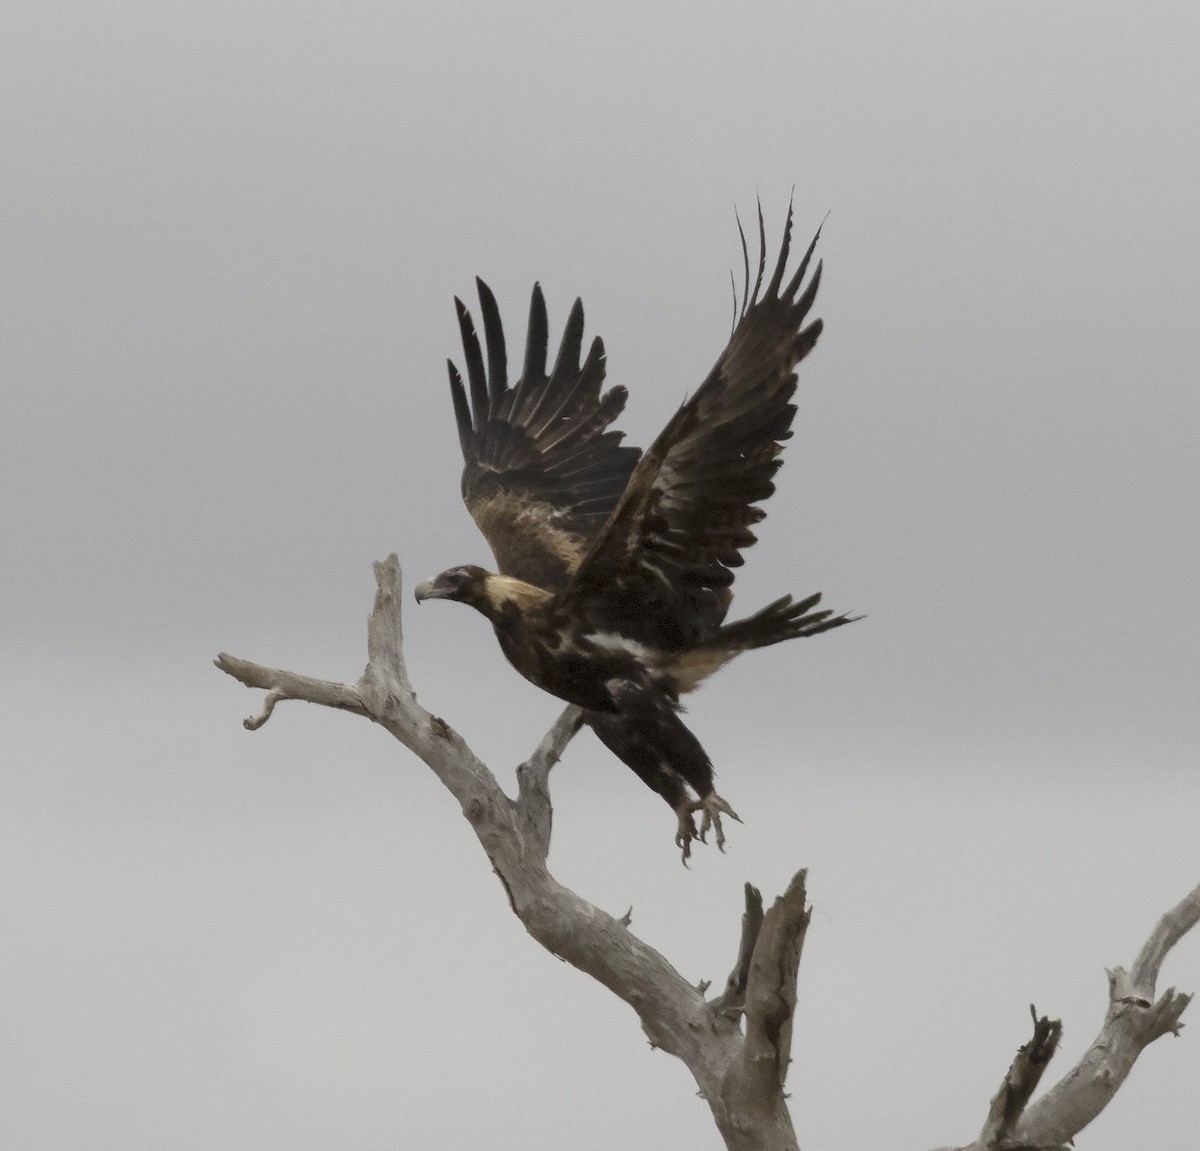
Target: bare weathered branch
column 771, row 987
column 732, row 1000
column 1134, row 1020
column 385, row 627
column 533, row 777
column 281, row 685
column 384, row 695
column 1170, row 930
column 752, row 1097
column 1019, row 1084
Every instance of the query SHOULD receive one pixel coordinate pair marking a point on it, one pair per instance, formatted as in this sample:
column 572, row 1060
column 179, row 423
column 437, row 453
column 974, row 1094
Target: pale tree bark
column 737, row 1044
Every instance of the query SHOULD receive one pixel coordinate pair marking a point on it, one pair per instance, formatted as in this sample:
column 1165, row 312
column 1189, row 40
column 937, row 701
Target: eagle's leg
column 711, row 808
column 647, row 733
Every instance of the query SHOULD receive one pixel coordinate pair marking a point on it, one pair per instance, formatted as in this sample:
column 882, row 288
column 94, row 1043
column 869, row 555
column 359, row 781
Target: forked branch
column 1134, row 1020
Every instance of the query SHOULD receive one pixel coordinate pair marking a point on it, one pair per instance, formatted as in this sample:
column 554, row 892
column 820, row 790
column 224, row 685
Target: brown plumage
column 616, row 565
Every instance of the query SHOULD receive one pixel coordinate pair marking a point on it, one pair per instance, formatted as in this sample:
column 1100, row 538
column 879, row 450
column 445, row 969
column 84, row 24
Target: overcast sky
column 230, row 239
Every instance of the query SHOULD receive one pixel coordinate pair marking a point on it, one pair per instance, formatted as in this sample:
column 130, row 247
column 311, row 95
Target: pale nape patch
column 499, row 590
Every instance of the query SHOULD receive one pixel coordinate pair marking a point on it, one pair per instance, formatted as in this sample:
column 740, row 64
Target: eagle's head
column 465, row 584
column 495, row 596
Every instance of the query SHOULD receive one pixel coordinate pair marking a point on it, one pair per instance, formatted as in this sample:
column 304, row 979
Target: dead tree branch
column 732, row 1000
column 1019, row 1084
column 515, row 833
column 737, row 1045
column 1133, row 1021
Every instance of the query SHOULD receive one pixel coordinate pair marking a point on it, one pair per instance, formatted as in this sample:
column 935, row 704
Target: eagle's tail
column 786, row 618
column 783, row 619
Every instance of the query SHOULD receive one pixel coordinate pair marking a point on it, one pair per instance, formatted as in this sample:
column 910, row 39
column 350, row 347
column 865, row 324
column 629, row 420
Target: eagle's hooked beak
column 437, row 588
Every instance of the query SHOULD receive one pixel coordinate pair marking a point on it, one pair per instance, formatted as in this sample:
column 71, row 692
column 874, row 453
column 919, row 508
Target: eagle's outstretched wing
column 660, row 572
column 543, row 472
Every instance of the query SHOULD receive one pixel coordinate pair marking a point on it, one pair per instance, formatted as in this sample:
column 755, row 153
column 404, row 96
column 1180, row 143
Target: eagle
column 615, row 564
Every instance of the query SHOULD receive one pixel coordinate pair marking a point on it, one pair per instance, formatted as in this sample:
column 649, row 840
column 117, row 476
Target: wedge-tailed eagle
column 616, row 564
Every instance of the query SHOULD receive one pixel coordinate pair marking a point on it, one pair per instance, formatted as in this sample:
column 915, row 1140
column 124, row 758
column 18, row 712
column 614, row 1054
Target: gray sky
column 231, row 237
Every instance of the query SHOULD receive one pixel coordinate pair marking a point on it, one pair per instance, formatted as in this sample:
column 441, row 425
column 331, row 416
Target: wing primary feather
column 591, row 376
column 474, row 357
column 536, row 339
column 609, row 407
column 762, row 255
column 565, row 380
column 493, row 334
column 777, row 275
column 567, row 362
column 566, row 400
column 807, row 338
column 810, row 293
column 593, row 365
column 567, row 385
column 746, row 263
column 462, row 413
column 796, row 280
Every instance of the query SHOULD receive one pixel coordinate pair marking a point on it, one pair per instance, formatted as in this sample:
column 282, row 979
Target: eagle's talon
column 686, row 832
column 711, row 808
